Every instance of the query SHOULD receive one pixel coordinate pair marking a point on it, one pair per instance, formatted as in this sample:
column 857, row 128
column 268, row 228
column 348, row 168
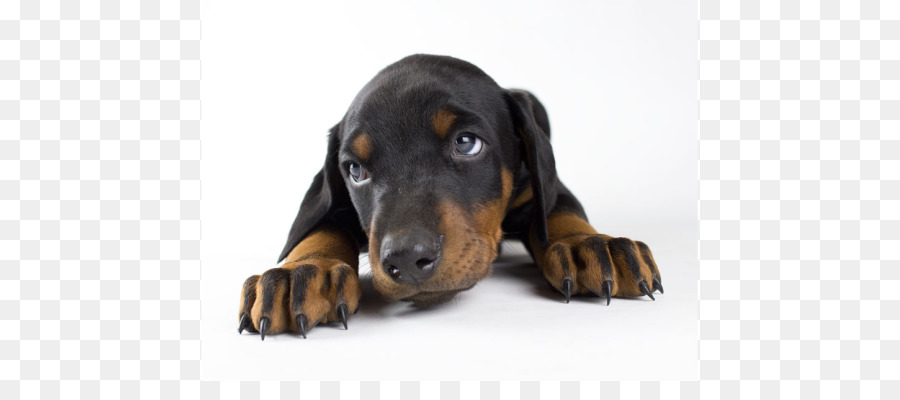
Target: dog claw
column 263, row 325
column 301, row 324
column 607, row 287
column 567, row 288
column 646, row 290
column 342, row 314
column 658, row 285
column 245, row 321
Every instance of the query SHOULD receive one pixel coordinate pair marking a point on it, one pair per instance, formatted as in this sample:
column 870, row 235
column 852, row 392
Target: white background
column 618, row 81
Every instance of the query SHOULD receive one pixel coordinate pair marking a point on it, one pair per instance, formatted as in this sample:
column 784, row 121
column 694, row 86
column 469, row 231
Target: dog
column 431, row 167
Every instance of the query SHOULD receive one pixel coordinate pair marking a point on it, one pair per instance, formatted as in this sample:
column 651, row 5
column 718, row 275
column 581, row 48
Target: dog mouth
column 428, row 299
column 433, row 297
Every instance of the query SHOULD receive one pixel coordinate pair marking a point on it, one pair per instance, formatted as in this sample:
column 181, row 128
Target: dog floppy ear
column 533, row 128
column 326, row 201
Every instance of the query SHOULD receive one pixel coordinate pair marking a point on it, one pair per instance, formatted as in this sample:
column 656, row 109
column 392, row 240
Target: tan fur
column 330, row 243
column 316, row 306
column 246, row 292
column 625, row 283
column 591, row 276
column 522, row 198
column 362, row 146
column 561, row 224
column 649, row 253
column 469, row 246
column 628, row 284
column 566, row 232
column 279, row 318
column 351, row 291
column 489, row 216
column 442, row 121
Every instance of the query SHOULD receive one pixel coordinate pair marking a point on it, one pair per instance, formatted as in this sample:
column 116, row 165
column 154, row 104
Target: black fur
column 562, row 254
column 249, row 291
column 343, row 275
column 301, row 277
column 645, row 253
column 270, row 281
column 539, row 161
column 601, row 253
column 623, row 246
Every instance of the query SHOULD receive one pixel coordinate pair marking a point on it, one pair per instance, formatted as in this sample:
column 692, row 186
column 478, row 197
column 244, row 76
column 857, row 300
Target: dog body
column 430, row 168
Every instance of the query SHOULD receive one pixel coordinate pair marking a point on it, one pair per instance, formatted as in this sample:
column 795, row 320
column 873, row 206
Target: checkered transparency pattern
column 99, row 208
column 451, row 390
column 799, row 199
column 99, row 199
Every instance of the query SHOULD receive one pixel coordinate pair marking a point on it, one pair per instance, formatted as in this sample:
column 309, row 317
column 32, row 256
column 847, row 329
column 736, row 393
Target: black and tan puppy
column 433, row 165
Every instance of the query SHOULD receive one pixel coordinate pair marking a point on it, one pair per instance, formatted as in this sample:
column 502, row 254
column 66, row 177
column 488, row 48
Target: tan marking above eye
column 442, row 121
column 362, row 146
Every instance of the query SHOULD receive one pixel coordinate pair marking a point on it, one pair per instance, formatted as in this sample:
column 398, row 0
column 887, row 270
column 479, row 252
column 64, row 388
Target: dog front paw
column 298, row 296
column 602, row 265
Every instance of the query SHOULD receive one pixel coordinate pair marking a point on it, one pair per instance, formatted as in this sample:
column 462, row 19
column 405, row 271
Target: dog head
column 423, row 166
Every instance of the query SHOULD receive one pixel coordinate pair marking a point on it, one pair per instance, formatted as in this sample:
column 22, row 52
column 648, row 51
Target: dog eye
column 358, row 173
column 468, row 144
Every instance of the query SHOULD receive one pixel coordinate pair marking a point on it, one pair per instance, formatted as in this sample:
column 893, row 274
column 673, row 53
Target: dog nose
column 410, row 257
